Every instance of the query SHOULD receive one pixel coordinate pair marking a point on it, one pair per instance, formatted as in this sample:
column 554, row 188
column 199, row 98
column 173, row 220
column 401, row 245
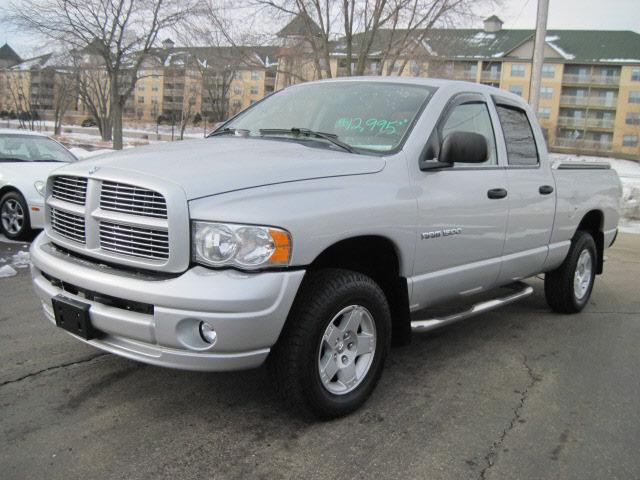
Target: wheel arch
column 379, row 258
column 593, row 223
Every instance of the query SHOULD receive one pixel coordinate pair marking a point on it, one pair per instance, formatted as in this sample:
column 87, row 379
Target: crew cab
column 318, row 226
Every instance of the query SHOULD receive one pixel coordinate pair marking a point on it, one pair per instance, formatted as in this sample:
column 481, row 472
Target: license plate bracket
column 73, row 316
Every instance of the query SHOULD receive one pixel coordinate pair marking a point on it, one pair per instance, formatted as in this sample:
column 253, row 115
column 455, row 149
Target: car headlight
column 40, row 187
column 247, row 247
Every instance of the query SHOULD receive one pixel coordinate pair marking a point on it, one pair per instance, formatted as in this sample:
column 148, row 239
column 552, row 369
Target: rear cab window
column 518, row 136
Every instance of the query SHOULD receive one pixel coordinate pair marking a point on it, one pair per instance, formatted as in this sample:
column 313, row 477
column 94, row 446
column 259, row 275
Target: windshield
column 31, row 148
column 364, row 115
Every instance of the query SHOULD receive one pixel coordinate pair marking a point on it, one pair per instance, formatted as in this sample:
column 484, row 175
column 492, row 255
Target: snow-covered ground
column 629, row 173
column 14, row 261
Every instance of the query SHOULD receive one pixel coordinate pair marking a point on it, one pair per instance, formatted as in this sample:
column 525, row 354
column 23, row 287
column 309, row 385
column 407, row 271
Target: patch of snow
column 551, row 38
column 563, row 53
column 481, row 37
column 21, row 260
column 629, row 227
column 7, row 271
column 619, row 60
column 498, row 55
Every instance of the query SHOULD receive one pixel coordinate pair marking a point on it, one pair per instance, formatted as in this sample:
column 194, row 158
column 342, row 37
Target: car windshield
column 32, row 148
column 363, row 115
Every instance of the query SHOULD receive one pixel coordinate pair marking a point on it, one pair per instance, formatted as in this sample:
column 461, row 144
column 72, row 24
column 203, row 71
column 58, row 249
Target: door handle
column 496, row 193
column 545, row 189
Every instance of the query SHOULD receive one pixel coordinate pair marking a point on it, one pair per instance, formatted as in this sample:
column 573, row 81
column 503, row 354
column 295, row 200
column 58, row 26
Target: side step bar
column 522, row 290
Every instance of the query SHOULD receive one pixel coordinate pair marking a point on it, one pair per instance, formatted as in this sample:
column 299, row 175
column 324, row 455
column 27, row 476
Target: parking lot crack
column 49, row 369
column 490, row 457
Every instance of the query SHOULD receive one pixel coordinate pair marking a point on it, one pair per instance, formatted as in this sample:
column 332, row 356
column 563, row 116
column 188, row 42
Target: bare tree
column 387, row 33
column 94, row 92
column 121, row 32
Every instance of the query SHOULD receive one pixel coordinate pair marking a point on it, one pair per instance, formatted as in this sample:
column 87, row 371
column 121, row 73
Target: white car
column 26, row 159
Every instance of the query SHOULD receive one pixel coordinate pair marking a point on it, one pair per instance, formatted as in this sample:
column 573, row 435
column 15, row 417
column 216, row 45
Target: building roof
column 607, row 46
column 298, row 27
column 9, row 54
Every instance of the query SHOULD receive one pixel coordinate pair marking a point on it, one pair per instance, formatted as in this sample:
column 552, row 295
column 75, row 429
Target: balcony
column 582, row 122
column 488, row 76
column 576, row 79
column 600, row 123
column 467, row 75
column 572, row 122
column 596, row 79
column 581, row 101
column 583, row 144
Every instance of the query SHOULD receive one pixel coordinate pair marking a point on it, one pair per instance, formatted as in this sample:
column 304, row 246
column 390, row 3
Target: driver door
column 462, row 211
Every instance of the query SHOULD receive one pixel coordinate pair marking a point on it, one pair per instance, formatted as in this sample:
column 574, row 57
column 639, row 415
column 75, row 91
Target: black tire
column 25, row 229
column 559, row 283
column 294, row 359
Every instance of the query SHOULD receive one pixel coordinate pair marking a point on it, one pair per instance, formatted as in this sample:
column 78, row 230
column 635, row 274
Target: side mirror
column 465, row 147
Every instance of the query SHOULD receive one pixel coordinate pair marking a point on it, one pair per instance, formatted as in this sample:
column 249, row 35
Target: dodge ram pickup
column 316, row 227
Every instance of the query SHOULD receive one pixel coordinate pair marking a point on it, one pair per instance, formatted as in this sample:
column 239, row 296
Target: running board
column 522, row 290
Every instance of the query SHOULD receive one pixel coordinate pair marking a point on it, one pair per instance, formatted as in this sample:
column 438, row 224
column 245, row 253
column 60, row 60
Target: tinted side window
column 521, row 146
column 472, row 117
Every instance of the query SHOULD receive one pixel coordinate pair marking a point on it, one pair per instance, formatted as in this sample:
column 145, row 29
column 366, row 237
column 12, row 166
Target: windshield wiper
column 228, row 131
column 330, row 137
column 13, row 159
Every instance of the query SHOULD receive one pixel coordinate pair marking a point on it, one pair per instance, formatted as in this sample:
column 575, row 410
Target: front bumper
column 247, row 311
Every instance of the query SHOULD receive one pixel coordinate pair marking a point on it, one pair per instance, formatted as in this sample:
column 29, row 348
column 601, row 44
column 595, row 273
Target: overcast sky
column 569, row 14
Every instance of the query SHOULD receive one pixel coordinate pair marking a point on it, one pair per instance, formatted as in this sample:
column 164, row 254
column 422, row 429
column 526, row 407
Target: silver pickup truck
column 317, row 227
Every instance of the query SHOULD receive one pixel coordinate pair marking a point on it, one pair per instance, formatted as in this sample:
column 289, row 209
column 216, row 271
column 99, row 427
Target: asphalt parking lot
column 520, row 393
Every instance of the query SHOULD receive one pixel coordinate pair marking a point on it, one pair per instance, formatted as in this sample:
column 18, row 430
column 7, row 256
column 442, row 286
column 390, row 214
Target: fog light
column 207, row 333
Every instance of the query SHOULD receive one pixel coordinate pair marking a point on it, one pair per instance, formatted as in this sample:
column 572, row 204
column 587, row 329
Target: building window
column 517, row 70
column 154, row 87
column 635, row 74
column 548, row 71
column 546, row 92
column 544, row 112
column 630, row 141
column 255, row 75
column 633, row 118
column 140, row 99
column 634, row 97
column 237, row 75
column 141, row 88
column 517, row 89
column 237, row 90
column 254, row 90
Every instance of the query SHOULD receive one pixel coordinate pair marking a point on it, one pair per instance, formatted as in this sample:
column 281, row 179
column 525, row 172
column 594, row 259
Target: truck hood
column 223, row 164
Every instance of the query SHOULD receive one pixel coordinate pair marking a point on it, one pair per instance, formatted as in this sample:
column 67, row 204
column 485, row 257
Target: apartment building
column 590, row 92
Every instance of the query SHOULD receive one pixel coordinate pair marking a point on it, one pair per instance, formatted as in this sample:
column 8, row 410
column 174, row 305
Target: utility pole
column 538, row 54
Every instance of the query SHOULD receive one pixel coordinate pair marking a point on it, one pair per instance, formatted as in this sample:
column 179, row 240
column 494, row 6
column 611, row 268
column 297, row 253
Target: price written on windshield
column 377, row 125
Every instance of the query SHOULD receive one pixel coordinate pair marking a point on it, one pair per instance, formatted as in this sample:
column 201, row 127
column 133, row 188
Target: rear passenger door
column 531, row 197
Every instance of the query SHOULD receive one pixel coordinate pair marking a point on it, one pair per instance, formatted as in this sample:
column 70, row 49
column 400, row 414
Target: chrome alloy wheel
column 12, row 216
column 583, row 274
column 347, row 349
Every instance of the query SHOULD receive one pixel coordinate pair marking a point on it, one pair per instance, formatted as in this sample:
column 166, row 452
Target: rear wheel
column 569, row 287
column 332, row 351
column 14, row 216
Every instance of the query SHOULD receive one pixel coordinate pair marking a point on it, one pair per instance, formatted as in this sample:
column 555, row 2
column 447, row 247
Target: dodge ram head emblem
column 93, row 170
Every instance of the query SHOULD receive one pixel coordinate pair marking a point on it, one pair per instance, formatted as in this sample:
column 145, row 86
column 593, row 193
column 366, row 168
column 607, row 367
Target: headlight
column 248, row 247
column 40, row 187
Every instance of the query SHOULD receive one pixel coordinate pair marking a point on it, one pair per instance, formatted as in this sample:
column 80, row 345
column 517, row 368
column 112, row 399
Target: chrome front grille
column 68, row 225
column 135, row 241
column 118, row 217
column 70, row 189
column 120, row 197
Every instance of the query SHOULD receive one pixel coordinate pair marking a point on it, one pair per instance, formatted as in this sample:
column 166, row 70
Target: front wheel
column 332, row 351
column 14, row 216
column 569, row 287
